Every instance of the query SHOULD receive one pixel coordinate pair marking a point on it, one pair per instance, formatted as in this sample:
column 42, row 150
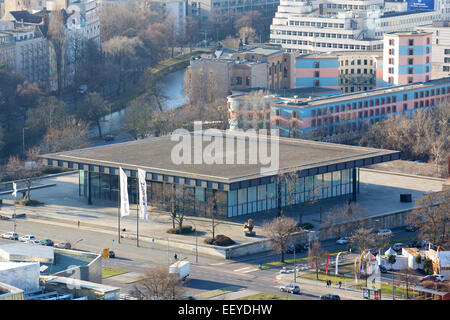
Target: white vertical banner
column 14, row 189
column 142, row 195
column 124, row 205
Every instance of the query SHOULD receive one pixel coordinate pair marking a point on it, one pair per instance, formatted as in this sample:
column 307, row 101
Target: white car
column 343, row 240
column 34, row 242
column 10, row 235
column 385, row 232
column 27, row 237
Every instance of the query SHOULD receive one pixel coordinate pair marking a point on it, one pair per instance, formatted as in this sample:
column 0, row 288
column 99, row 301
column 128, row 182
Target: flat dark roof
column 154, row 155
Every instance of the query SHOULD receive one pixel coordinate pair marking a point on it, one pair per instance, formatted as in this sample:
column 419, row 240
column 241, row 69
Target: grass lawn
column 110, row 272
column 324, row 277
column 265, row 296
column 386, row 289
column 287, row 261
column 212, row 293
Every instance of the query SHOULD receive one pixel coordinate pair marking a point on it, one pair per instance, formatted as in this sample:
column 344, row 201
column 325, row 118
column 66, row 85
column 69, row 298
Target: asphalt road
column 208, row 274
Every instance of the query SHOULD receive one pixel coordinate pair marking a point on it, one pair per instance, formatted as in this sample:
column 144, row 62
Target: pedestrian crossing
column 246, row 270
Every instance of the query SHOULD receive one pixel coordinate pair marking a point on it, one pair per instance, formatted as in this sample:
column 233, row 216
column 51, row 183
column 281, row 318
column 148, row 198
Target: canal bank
column 170, row 73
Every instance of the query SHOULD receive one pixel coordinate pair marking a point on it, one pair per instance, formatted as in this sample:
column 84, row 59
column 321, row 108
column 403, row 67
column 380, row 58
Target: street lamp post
column 295, row 268
column 196, row 241
column 76, row 243
column 23, row 139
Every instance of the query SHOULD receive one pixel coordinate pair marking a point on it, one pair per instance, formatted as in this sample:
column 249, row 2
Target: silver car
column 292, row 288
column 27, row 237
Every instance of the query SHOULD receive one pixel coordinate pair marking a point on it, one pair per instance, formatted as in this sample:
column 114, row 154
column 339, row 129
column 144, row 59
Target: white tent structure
column 390, row 252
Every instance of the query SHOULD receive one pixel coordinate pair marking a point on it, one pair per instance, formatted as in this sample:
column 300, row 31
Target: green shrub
column 419, row 259
column 53, row 170
column 306, row 225
column 219, row 240
column 184, row 230
column 29, row 203
column 428, row 266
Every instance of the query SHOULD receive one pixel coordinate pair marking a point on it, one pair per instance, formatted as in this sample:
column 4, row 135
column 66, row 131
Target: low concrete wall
column 12, row 293
column 229, row 252
column 386, row 220
column 91, row 272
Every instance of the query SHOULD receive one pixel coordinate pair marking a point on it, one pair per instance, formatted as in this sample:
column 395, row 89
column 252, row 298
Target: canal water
column 172, row 97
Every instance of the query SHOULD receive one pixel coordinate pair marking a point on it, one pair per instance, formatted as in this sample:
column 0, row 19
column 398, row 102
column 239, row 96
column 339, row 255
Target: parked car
column 298, row 248
column 412, row 244
column 10, row 236
column 433, row 277
column 34, row 242
column 27, row 237
column 109, row 137
column 46, row 242
column 330, row 296
column 383, row 269
column 398, row 246
column 411, row 228
column 63, row 245
column 374, row 251
column 291, row 288
column 343, row 240
column 384, row 232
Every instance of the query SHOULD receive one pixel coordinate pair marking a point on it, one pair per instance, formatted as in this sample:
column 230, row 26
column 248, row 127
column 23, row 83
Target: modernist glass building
column 305, row 171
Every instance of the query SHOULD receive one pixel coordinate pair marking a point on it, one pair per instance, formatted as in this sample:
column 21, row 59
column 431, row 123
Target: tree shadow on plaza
column 210, row 285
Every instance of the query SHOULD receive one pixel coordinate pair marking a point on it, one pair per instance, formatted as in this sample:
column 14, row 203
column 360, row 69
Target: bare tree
column 211, row 211
column 423, row 137
column 363, row 238
column 345, row 219
column 431, row 217
column 92, row 109
column 121, row 52
column 27, row 169
column 247, row 35
column 57, row 37
column 316, row 255
column 158, row 284
column 138, row 115
column 68, row 136
column 281, row 230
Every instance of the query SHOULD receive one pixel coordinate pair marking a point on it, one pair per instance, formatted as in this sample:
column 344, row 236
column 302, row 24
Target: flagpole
column 137, row 225
column 118, row 207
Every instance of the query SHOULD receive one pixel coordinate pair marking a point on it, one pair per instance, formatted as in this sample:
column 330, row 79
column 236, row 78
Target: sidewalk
column 319, row 288
column 64, row 207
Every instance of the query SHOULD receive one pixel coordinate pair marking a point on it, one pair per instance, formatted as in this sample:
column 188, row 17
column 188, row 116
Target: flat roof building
column 234, row 173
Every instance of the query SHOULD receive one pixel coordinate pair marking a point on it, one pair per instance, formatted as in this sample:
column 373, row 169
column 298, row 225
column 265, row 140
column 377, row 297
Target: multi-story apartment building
column 206, row 9
column 357, row 70
column 254, row 66
column 348, row 71
column 402, row 80
column 81, row 25
column 443, row 7
column 7, row 47
column 25, row 50
column 226, row 75
column 305, row 26
column 176, row 10
column 327, row 117
column 440, row 58
column 406, row 58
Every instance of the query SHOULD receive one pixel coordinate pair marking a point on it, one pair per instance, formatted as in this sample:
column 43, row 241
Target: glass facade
column 305, row 189
column 197, row 201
